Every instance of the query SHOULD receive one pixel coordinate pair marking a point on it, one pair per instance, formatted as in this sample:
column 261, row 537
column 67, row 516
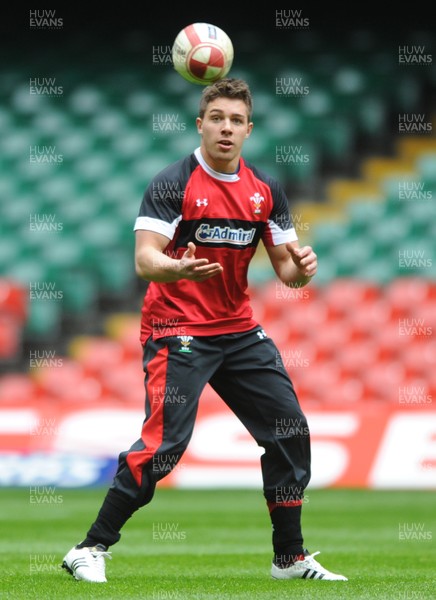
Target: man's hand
column 197, row 269
column 304, row 259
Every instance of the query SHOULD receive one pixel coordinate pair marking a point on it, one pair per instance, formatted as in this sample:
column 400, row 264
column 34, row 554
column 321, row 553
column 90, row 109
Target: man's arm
column 293, row 265
column 153, row 265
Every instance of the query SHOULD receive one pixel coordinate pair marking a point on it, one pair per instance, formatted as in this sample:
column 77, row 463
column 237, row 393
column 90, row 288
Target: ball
column 202, row 53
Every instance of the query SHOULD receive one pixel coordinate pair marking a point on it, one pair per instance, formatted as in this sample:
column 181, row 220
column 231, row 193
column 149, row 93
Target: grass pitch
column 189, row 545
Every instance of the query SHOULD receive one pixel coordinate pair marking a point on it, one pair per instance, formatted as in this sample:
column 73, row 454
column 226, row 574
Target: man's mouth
column 225, row 143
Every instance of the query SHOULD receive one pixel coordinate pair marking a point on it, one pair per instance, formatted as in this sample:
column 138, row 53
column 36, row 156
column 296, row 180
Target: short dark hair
column 227, row 88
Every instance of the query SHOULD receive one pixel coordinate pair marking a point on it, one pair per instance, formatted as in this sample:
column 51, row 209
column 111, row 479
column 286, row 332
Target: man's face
column 224, row 128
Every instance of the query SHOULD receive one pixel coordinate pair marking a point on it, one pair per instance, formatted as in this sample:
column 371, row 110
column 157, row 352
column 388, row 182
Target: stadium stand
column 362, row 194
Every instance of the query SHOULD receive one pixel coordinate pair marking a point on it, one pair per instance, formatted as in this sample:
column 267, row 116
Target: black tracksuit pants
column 246, row 371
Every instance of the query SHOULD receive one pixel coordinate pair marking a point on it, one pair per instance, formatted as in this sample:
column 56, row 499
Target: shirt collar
column 215, row 174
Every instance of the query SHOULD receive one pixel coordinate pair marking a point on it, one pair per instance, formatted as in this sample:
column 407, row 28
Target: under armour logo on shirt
column 261, row 334
column 203, row 202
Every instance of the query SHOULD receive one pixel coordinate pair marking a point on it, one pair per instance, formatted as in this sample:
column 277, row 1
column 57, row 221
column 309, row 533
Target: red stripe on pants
column 152, row 429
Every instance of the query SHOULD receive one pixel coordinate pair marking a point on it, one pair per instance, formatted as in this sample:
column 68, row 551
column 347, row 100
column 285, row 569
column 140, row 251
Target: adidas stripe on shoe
column 87, row 564
column 308, row 568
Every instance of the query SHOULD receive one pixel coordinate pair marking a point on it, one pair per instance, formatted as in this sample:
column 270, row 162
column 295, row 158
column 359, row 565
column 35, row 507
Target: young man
column 197, row 230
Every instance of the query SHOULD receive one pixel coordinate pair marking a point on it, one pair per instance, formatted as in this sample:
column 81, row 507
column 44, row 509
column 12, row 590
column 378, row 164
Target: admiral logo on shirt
column 217, row 235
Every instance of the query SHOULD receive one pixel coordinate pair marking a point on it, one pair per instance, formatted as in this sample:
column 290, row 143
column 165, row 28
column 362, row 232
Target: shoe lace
column 99, row 556
column 314, row 564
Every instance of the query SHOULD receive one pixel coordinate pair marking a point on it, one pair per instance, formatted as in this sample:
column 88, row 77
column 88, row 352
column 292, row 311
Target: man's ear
column 199, row 123
column 249, row 130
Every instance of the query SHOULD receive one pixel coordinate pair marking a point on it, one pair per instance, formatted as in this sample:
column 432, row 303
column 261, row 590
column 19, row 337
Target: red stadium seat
column 275, row 300
column 406, row 293
column 391, row 343
column 368, row 319
column 13, row 313
column 331, row 338
column 419, row 359
column 67, row 381
column 14, row 299
column 347, row 391
column 383, row 381
column 417, row 392
column 315, row 382
column 17, row 388
column 357, row 358
column 96, row 354
column 281, row 331
column 10, row 337
column 431, row 380
column 298, row 321
column 344, row 296
column 125, row 329
column 125, row 383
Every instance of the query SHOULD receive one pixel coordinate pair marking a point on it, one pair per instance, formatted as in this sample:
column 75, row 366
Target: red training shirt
column 225, row 215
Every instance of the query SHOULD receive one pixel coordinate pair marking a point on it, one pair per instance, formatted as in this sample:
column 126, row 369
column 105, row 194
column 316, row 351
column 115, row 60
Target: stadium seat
column 316, row 383
column 391, row 344
column 309, row 315
column 275, row 301
column 382, row 381
column 342, row 191
column 124, row 328
column 103, row 129
column 349, row 257
column 44, row 321
column 380, row 270
column 331, row 339
column 14, row 298
column 96, row 354
column 10, row 338
column 406, row 293
column 327, row 236
column 67, row 382
column 376, row 169
column 349, row 391
column 16, row 388
column 86, row 100
column 125, row 383
column 80, row 294
column 355, row 359
column 362, row 215
column 420, row 357
column 388, row 234
column 345, row 296
column 412, row 147
column 426, row 165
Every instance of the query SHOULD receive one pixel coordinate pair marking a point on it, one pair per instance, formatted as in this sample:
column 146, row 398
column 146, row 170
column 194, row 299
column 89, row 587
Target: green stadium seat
column 93, row 167
column 363, row 216
column 75, row 142
column 9, row 252
column 44, row 321
column 131, row 145
column 351, row 255
column 379, row 270
column 426, row 167
column 388, row 233
column 80, row 293
column 50, row 122
column 115, row 272
column 25, row 270
column 108, row 123
column 86, row 100
column 327, row 236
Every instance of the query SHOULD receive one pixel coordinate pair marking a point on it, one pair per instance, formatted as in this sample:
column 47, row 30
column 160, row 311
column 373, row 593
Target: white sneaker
column 87, row 564
column 309, row 568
